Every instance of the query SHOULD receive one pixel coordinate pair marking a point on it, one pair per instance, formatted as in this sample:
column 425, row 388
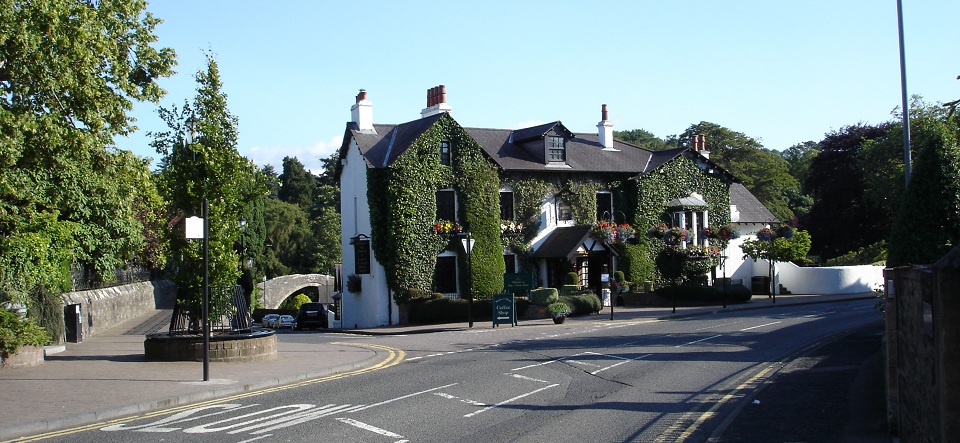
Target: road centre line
column 405, row 397
column 507, row 401
column 698, row 341
column 524, row 377
column 760, row 326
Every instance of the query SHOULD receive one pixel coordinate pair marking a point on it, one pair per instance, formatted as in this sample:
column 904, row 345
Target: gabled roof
column 751, row 210
column 584, row 152
column 564, row 242
column 535, row 132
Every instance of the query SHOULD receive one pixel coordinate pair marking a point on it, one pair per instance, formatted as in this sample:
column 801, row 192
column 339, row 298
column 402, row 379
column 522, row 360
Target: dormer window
column 445, row 153
column 556, row 150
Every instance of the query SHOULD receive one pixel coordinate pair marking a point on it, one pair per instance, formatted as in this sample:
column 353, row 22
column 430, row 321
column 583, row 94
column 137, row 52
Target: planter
column 27, row 356
column 559, row 320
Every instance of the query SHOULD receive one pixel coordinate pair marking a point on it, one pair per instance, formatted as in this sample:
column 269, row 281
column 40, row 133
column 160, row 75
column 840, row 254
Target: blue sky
column 781, row 72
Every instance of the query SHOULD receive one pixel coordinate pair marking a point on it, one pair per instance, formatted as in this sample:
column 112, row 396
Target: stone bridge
column 276, row 290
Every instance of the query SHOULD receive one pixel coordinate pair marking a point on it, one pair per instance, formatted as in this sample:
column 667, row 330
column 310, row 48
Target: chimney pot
column 443, row 94
column 603, row 112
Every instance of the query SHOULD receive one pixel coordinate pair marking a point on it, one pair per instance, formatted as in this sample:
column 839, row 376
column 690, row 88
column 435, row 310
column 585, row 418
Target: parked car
column 312, row 315
column 269, row 319
column 286, row 321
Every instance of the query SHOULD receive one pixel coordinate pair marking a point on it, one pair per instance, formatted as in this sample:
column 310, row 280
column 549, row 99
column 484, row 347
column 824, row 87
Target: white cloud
column 308, row 155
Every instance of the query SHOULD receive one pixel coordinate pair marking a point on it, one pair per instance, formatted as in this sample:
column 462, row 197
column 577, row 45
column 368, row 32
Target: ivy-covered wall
column 403, row 209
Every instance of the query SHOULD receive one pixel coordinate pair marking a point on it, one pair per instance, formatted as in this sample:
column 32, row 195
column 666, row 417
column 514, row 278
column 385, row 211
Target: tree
column 297, row 184
column 208, row 166
column 764, row 172
column 799, row 157
column 785, row 244
column 641, row 138
column 927, row 223
column 840, row 219
column 69, row 72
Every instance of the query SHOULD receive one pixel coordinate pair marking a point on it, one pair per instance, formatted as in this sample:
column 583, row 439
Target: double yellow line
column 393, row 357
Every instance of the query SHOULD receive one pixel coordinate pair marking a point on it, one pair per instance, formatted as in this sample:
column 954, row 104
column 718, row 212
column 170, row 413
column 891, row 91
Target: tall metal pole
column 206, row 290
column 903, row 91
column 470, row 278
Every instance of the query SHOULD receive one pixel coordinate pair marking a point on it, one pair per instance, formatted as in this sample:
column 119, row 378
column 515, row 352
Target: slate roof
column 386, row 143
column 751, row 210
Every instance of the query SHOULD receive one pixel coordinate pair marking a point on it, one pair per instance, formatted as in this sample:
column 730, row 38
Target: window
column 564, row 210
column 447, row 205
column 605, row 206
column 510, row 263
column 445, row 275
column 556, row 152
column 445, row 152
column 693, row 222
column 506, row 206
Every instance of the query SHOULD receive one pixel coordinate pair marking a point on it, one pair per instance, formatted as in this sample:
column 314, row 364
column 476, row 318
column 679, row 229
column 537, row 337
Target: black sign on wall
column 361, row 254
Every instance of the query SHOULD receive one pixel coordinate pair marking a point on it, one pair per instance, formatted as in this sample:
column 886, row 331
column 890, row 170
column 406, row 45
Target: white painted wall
column 830, row 280
column 370, row 307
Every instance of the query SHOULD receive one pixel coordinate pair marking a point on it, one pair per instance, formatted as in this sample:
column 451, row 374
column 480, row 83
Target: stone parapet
column 258, row 346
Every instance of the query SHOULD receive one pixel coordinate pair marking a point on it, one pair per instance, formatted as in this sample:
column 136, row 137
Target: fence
column 83, row 278
column 229, row 311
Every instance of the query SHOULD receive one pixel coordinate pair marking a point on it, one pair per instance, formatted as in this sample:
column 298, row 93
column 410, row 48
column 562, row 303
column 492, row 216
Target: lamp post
column 467, row 241
column 191, row 127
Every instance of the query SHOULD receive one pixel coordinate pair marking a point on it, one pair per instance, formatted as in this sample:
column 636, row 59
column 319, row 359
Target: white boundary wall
column 831, row 279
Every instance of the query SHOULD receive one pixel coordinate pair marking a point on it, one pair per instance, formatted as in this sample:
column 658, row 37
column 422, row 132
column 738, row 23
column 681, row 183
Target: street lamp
column 190, row 135
column 243, row 230
column 467, row 241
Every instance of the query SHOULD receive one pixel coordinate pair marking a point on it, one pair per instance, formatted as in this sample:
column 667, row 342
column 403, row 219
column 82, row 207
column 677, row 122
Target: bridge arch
column 276, row 290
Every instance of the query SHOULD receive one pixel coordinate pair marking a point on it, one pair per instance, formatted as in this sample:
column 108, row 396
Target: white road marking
column 370, row 428
column 479, row 411
column 702, row 339
column 405, row 396
column 760, row 326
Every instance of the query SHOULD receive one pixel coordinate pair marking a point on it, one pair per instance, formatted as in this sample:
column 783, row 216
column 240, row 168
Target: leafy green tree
column 799, row 157
column 642, row 138
column 841, row 219
column 780, row 249
column 289, row 234
column 208, row 166
column 69, row 72
column 927, row 223
column 297, row 184
column 764, row 172
column 272, row 181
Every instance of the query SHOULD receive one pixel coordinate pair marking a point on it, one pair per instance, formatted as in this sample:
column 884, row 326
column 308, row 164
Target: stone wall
column 923, row 336
column 278, row 289
column 262, row 347
column 105, row 308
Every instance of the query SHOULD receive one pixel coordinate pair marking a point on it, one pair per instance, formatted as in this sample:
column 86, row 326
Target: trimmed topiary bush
column 582, row 304
column 544, row 296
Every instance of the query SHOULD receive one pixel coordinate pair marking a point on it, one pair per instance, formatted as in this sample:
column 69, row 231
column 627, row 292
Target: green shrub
column 295, row 302
column 413, row 295
column 449, row 310
column 558, row 309
column 569, row 290
column 544, row 296
column 582, row 304
column 571, row 278
column 15, row 333
column 875, row 254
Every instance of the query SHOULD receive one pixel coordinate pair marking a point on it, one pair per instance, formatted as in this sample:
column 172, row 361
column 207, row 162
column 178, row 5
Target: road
column 596, row 380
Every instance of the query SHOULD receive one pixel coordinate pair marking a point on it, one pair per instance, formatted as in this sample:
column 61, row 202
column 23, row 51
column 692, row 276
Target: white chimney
column 605, row 131
column 436, row 102
column 362, row 112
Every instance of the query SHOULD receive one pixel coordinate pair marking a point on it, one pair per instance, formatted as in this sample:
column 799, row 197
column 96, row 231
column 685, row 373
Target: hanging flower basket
column 766, row 234
column 785, row 231
column 674, row 236
column 604, row 231
column 725, row 232
column 658, row 232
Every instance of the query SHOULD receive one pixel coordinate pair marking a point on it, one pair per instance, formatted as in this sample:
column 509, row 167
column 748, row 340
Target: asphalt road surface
column 594, row 381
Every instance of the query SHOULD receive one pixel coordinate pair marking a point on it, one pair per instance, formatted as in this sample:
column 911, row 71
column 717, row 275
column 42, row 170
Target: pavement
column 106, row 376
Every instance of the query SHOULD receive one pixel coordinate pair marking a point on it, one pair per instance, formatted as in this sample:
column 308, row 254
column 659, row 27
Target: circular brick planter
column 246, row 347
column 27, row 356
